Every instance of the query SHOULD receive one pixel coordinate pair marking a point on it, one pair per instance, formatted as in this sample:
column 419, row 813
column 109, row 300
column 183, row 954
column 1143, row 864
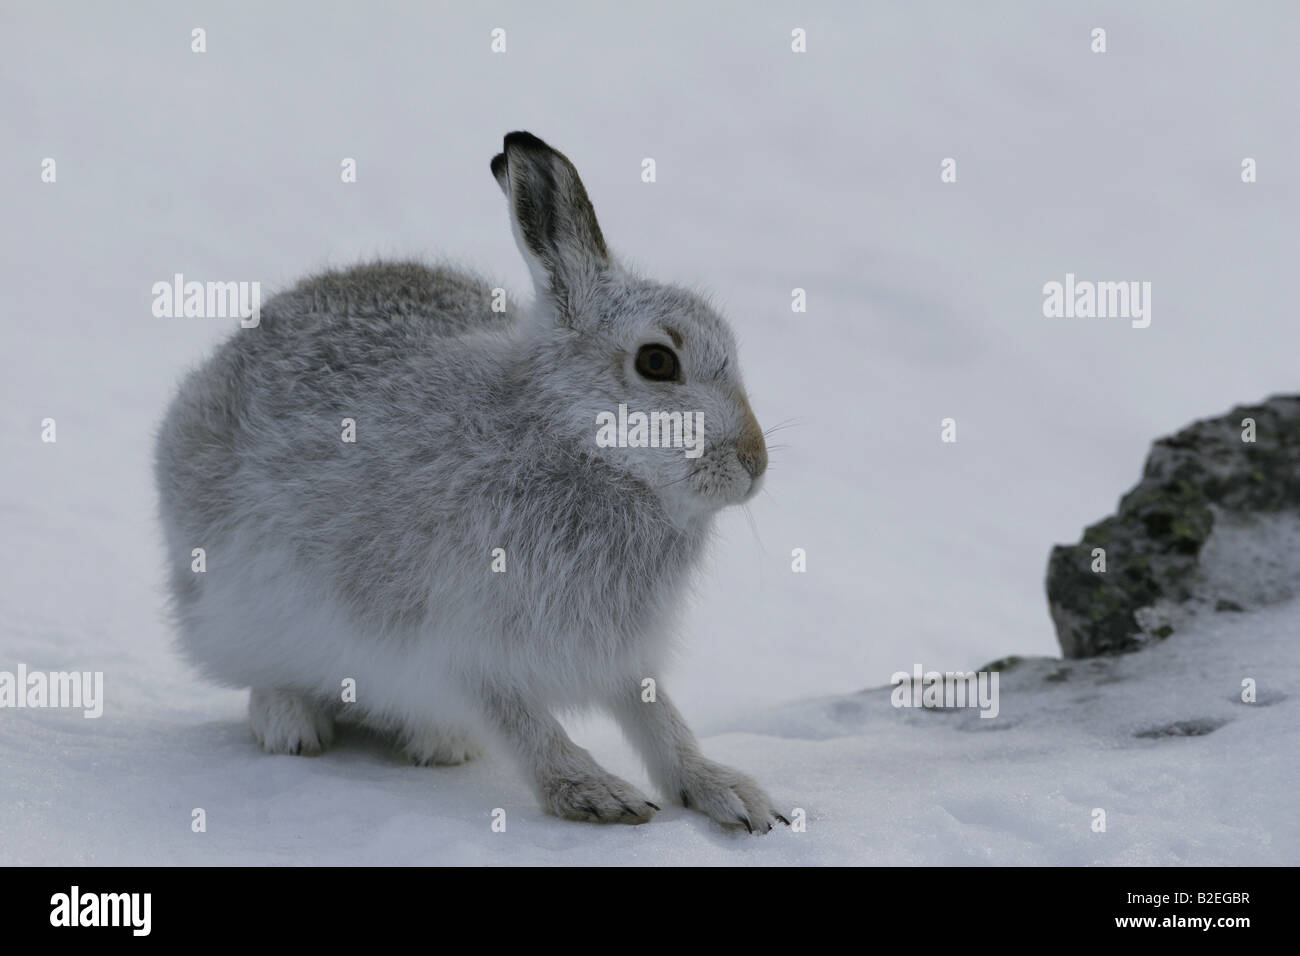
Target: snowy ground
column 774, row 171
column 1161, row 741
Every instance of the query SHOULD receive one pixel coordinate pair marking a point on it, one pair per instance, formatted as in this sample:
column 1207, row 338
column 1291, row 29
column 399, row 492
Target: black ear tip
column 521, row 139
column 499, row 167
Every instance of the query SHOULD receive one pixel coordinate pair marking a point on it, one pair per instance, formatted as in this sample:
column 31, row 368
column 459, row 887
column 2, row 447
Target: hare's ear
column 554, row 223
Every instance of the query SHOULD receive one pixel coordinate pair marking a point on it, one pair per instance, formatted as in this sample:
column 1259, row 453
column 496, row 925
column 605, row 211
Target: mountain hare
column 399, row 488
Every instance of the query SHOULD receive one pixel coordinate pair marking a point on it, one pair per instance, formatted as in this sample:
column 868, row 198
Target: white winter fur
column 372, row 561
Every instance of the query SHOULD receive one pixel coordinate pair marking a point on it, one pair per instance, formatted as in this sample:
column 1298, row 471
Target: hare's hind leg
column 288, row 723
column 438, row 745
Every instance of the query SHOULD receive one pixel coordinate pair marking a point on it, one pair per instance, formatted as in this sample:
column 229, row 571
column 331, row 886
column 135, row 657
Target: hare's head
column 646, row 373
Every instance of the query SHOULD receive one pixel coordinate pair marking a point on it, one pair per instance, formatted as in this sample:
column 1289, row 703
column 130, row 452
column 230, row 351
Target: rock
column 1205, row 476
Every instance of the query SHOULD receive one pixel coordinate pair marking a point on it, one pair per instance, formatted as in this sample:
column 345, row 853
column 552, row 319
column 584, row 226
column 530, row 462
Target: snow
column 775, row 171
column 1161, row 741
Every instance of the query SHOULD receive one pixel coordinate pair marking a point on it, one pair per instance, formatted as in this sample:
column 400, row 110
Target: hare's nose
column 752, row 451
column 750, row 447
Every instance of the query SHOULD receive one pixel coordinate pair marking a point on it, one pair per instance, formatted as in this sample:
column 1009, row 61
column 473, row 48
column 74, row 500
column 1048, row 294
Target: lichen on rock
column 1232, row 471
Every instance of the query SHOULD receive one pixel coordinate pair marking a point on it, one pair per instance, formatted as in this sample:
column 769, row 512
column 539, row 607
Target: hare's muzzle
column 750, row 447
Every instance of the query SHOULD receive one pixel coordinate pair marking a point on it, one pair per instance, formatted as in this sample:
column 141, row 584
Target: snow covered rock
column 1213, row 525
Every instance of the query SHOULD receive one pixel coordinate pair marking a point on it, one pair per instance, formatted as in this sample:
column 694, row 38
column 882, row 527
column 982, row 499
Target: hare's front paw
column 726, row 795
column 595, row 795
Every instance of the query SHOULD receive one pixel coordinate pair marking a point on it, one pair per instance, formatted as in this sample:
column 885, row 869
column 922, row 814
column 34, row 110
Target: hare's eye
column 656, row 362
